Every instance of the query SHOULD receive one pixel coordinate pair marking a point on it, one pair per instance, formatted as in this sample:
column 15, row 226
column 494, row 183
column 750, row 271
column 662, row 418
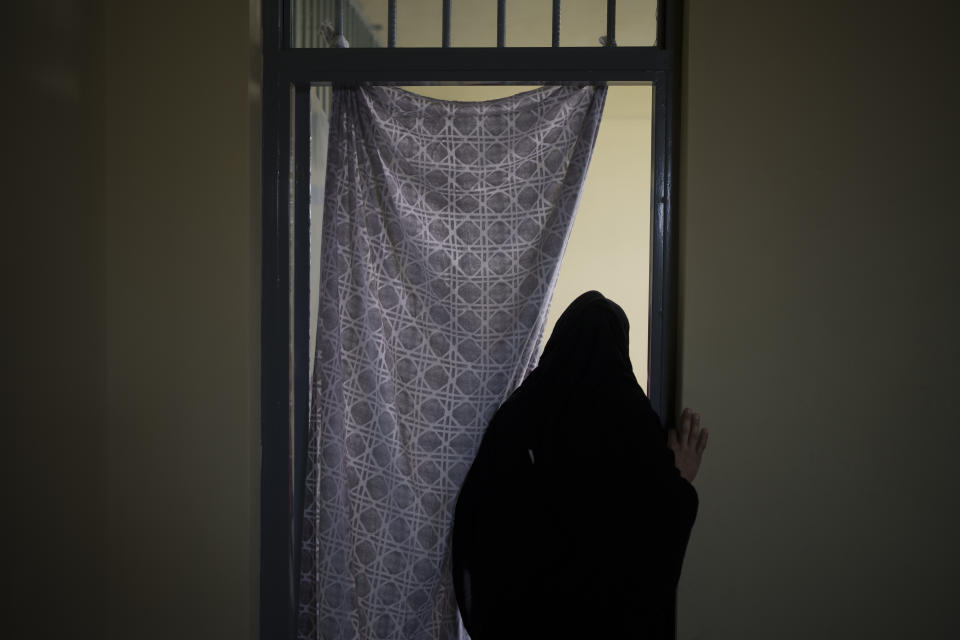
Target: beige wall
column 131, row 260
column 53, row 310
column 183, row 314
column 819, row 221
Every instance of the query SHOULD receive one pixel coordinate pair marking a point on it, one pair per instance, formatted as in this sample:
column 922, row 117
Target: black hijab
column 573, row 520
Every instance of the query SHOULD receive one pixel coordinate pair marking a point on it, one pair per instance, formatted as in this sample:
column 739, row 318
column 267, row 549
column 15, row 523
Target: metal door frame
column 288, row 74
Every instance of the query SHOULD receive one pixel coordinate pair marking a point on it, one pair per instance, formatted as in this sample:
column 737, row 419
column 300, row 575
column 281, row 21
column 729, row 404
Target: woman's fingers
column 688, row 441
column 702, row 442
column 694, row 434
column 684, row 427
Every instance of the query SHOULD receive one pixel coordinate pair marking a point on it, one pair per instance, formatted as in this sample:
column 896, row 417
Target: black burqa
column 573, row 520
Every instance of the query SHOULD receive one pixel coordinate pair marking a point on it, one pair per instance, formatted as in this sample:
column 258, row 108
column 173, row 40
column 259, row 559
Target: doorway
column 303, row 56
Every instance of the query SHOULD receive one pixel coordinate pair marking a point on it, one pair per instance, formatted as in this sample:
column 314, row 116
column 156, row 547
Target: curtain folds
column 444, row 225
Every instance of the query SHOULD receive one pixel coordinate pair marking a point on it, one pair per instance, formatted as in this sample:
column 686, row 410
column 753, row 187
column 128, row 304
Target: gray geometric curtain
column 443, row 228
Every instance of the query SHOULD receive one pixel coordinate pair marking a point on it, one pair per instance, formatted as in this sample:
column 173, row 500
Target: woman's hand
column 688, row 442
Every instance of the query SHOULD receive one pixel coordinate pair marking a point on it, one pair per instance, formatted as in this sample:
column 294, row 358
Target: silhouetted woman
column 575, row 515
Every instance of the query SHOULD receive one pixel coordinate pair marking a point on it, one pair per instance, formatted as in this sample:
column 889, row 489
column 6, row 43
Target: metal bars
column 501, row 23
column 508, row 65
column 311, row 23
column 277, row 606
column 338, row 20
column 446, row 24
column 301, row 314
column 555, row 27
column 611, row 40
column 392, row 24
column 664, row 241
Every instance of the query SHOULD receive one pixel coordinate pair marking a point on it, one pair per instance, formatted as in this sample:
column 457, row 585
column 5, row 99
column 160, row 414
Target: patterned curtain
column 444, row 225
